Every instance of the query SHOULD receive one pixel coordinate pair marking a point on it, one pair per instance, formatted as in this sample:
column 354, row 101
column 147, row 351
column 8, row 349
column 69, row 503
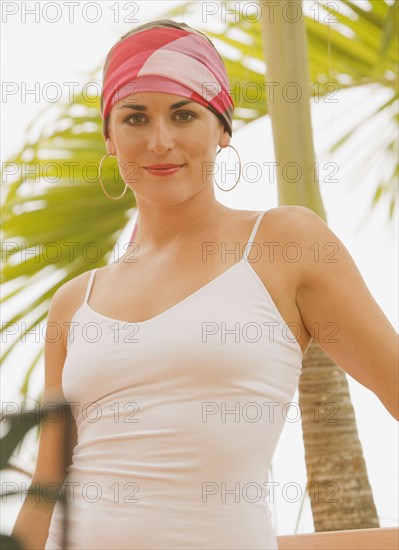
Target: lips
column 165, row 170
column 163, row 166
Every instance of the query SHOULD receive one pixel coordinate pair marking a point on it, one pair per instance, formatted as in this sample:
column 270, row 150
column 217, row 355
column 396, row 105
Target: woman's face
column 148, row 128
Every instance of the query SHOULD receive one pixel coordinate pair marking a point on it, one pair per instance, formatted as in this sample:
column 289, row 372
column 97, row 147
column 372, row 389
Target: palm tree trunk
column 340, row 493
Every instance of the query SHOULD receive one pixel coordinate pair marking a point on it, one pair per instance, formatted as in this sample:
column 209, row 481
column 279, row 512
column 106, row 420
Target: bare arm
column 32, row 524
column 333, row 296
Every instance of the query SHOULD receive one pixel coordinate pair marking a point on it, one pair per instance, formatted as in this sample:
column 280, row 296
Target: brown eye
column 132, row 116
column 187, row 113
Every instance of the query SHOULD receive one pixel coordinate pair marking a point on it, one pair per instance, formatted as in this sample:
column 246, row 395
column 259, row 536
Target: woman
column 200, row 328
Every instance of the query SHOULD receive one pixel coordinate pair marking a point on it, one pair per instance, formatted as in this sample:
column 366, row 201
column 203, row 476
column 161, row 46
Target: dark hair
column 156, row 23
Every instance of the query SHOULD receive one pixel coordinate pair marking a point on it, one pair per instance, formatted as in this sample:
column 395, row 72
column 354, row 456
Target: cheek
column 129, row 152
column 201, row 157
column 129, row 170
column 201, row 144
column 128, row 146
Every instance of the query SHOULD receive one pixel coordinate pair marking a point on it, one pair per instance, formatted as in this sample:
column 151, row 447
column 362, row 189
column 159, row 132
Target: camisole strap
column 89, row 285
column 252, row 236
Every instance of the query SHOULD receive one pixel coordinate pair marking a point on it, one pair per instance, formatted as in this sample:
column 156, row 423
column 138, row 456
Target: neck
column 160, row 227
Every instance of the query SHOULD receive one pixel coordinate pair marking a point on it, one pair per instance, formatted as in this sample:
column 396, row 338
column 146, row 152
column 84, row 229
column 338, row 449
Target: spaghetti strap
column 89, row 285
column 251, row 237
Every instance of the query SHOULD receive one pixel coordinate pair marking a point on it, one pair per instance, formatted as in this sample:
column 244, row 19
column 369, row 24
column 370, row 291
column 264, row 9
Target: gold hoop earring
column 239, row 160
column 101, row 181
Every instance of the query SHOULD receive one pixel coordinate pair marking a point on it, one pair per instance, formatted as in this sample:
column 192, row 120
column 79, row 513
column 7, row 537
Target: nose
column 160, row 136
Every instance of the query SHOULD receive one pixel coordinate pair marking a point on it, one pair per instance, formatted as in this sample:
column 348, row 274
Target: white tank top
column 178, row 418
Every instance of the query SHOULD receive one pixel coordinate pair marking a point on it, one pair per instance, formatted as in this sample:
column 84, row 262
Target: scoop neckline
column 171, row 308
column 258, row 280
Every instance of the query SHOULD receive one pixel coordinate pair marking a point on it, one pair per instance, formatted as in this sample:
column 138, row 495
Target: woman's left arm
column 339, row 311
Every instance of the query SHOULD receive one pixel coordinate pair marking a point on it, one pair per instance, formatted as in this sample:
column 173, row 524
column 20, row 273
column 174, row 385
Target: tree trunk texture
column 338, row 486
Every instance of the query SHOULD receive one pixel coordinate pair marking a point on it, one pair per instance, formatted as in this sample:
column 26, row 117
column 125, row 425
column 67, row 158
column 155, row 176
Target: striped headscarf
column 168, row 59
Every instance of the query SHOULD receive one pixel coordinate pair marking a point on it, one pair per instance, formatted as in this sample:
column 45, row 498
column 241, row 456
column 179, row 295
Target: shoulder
column 322, row 255
column 303, row 241
column 320, row 258
column 298, row 223
column 66, row 301
column 293, row 216
column 72, row 289
column 287, row 216
column 291, row 224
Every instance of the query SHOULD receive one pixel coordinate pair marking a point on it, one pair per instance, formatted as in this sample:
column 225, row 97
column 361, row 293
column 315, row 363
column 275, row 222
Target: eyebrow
column 144, row 108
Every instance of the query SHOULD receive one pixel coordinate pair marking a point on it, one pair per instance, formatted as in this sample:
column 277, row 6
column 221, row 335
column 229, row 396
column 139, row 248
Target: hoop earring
column 239, row 176
column 101, row 181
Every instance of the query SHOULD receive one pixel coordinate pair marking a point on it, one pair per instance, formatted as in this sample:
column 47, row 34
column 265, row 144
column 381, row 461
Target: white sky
column 44, row 52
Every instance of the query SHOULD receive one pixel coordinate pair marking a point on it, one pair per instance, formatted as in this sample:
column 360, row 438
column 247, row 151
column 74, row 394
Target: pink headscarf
column 170, row 60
